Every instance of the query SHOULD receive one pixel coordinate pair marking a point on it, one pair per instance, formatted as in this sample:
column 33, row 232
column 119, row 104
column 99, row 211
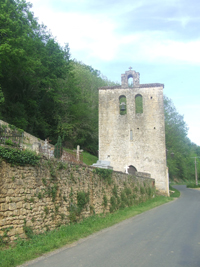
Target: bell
column 122, row 106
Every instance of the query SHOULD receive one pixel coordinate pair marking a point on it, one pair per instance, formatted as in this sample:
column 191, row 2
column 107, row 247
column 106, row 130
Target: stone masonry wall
column 134, row 139
column 45, row 196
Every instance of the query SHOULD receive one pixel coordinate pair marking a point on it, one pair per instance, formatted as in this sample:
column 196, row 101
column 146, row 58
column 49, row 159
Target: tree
column 181, row 164
column 31, row 62
column 58, row 148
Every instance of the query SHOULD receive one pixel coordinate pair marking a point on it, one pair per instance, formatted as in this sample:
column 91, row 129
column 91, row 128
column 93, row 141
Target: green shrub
column 115, row 193
column 127, row 191
column 82, row 200
column 123, row 196
column 142, row 190
column 105, row 174
column 113, row 204
column 136, row 189
column 122, row 205
column 193, row 185
column 18, row 157
column 149, row 191
column 28, row 231
column 46, row 210
column 105, row 201
column 58, row 148
column 9, row 142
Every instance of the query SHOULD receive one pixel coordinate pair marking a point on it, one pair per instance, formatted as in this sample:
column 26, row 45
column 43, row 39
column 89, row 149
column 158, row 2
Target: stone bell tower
column 132, row 128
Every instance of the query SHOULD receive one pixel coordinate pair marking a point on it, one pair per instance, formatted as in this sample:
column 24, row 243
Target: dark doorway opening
column 132, row 170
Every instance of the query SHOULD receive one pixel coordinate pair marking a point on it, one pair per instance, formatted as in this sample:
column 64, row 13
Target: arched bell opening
column 138, row 104
column 122, row 105
column 130, row 81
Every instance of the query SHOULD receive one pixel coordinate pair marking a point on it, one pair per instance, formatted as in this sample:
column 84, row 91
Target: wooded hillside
column 46, row 93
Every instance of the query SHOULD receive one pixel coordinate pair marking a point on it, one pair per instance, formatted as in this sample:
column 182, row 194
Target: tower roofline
column 146, row 85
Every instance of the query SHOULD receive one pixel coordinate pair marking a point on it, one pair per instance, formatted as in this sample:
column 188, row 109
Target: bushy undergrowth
column 18, row 157
column 129, row 197
column 105, row 174
column 193, row 185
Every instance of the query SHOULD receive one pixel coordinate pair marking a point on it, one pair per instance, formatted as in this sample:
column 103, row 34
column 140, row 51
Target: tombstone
column 104, row 164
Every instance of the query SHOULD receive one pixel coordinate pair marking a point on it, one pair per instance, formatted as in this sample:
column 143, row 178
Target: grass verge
column 192, row 185
column 174, row 192
column 25, row 250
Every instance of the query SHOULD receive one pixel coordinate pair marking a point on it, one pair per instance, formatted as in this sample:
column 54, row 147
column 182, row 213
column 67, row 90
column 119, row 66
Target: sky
column 158, row 39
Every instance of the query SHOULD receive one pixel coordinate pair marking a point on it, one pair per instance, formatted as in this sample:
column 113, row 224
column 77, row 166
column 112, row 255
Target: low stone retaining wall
column 43, row 197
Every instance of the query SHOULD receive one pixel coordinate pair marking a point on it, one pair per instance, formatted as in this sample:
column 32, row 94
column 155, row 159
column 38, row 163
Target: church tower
column 132, row 128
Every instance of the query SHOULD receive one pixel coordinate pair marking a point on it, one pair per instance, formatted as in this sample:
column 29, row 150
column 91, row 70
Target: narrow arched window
column 130, row 81
column 138, row 104
column 122, row 105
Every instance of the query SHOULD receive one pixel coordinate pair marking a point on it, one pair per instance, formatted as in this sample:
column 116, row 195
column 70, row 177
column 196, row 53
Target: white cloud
column 156, row 47
column 97, row 36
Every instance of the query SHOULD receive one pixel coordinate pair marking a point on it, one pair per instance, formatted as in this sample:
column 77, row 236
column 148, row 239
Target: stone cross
column 130, row 68
column 126, row 169
column 78, row 151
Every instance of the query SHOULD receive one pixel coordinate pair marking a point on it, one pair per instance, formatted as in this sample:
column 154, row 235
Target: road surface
column 166, row 236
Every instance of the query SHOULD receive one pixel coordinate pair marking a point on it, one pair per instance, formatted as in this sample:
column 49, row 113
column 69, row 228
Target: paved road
column 166, row 236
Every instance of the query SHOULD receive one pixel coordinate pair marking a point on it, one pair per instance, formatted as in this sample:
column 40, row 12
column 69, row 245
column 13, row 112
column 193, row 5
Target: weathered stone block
column 19, row 205
column 12, row 206
column 4, row 207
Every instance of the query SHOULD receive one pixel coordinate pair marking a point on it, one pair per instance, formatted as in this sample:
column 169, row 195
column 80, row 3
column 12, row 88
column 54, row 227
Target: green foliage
column 46, row 210
column 193, row 185
column 149, row 191
column 82, row 200
column 113, row 204
column 128, row 191
column 9, row 142
column 105, row 174
column 88, row 158
column 39, row 195
column 122, row 100
column 1, row 97
column 64, row 198
column 58, row 148
column 142, row 190
column 115, row 191
column 53, row 191
column 62, row 165
column 105, row 201
column 138, row 104
column 44, row 181
column 41, row 90
column 25, row 250
column 18, row 157
column 174, row 192
column 4, row 237
column 28, row 231
column 52, row 170
column 135, row 189
column 180, row 150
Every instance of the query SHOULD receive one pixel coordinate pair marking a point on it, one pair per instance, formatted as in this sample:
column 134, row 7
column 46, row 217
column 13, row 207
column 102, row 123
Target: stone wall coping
column 146, row 85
